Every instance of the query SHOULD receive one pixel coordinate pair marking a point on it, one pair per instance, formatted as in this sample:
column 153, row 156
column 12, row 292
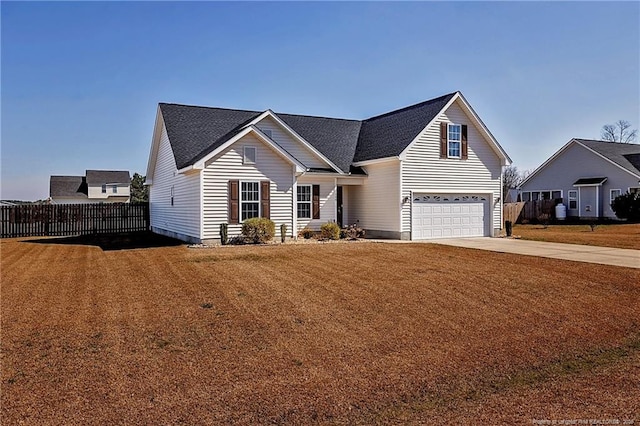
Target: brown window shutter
column 465, row 144
column 234, row 201
column 443, row 140
column 265, row 198
column 316, row 202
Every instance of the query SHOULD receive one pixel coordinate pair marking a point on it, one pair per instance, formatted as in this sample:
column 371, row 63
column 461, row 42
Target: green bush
column 258, row 230
column 627, row 206
column 330, row 231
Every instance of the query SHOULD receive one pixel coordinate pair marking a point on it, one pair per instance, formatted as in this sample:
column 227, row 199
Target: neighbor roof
column 68, row 187
column 626, row 155
column 196, row 131
column 101, row 177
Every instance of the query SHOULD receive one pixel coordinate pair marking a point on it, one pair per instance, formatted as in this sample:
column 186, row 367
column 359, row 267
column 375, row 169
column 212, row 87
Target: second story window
column 454, row 140
column 104, row 189
column 114, row 189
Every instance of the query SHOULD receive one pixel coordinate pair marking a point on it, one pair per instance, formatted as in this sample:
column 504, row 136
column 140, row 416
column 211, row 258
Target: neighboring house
column 97, row 186
column 430, row 170
column 587, row 175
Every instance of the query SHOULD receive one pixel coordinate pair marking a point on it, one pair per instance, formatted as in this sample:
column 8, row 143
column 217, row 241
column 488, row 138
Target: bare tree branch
column 619, row 132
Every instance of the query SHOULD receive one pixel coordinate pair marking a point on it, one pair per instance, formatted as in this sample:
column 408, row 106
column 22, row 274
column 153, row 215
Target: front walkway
column 576, row 252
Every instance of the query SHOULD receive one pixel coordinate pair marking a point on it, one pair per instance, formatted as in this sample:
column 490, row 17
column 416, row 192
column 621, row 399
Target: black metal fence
column 35, row 220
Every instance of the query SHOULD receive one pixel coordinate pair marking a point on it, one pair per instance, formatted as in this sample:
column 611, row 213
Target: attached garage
column 450, row 216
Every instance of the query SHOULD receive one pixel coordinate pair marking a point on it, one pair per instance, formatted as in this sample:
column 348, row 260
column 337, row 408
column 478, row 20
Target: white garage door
column 449, row 216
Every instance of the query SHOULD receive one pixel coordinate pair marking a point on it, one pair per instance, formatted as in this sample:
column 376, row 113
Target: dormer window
column 454, row 140
column 249, row 155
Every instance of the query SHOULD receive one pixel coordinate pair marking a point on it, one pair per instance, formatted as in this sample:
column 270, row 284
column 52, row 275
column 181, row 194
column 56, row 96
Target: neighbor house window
column 634, row 190
column 304, row 201
column 104, row 189
column 249, row 200
column 556, row 194
column 249, row 155
column 114, row 189
column 614, row 193
column 172, row 195
column 526, row 196
column 573, row 199
column 454, row 140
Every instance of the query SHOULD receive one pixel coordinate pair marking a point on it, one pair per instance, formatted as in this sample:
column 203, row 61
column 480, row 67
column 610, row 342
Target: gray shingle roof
column 101, row 177
column 626, row 155
column 68, row 186
column 389, row 134
column 196, row 131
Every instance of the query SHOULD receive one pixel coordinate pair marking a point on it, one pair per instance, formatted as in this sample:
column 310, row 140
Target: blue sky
column 81, row 80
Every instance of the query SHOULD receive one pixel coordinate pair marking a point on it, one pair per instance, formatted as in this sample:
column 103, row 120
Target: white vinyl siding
column 376, row 204
column 327, row 201
column 183, row 217
column 95, row 192
column 291, row 145
column 228, row 165
column 424, row 172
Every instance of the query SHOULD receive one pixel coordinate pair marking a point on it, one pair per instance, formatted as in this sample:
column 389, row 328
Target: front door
column 339, row 207
column 588, row 202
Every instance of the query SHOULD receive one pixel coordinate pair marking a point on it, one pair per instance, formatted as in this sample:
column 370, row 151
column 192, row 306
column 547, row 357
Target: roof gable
column 615, row 153
column 389, row 134
column 195, row 132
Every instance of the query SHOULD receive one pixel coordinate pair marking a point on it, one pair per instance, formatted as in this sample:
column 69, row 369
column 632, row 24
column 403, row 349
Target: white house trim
column 493, row 143
column 200, row 164
column 377, row 161
column 155, row 145
column 295, row 135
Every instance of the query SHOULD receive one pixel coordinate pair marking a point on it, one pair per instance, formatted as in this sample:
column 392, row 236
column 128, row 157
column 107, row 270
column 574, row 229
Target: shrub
column 330, row 231
column 306, row 233
column 544, row 219
column 627, row 206
column 352, row 232
column 258, row 230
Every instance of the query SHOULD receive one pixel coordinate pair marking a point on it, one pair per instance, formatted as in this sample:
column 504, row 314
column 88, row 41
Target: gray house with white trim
column 430, row 170
column 587, row 175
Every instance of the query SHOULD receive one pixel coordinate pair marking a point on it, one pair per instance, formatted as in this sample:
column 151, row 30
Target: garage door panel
column 448, row 216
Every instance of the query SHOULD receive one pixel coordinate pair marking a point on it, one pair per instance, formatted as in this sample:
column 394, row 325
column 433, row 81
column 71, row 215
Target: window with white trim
column 114, row 189
column 304, row 201
column 454, row 140
column 634, row 190
column 526, row 196
column 613, row 194
column 104, row 189
column 249, row 200
column 249, row 155
column 573, row 199
column 171, row 194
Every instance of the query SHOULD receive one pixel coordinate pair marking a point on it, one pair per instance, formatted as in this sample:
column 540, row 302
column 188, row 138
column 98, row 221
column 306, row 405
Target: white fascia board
column 295, row 135
column 505, row 159
column 549, row 160
column 607, row 159
column 377, row 161
column 200, row 164
column 155, row 146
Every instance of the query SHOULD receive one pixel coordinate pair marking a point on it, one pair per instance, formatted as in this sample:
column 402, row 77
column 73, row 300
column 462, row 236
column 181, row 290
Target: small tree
column 627, row 206
column 139, row 192
column 620, row 131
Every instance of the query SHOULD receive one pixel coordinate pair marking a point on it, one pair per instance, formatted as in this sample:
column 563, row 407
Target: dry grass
column 618, row 235
column 337, row 333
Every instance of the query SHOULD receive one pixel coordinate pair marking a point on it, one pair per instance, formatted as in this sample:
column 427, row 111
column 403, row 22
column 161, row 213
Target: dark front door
column 339, row 207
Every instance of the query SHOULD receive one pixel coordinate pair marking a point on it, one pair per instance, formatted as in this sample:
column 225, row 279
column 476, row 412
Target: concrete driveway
column 575, row 252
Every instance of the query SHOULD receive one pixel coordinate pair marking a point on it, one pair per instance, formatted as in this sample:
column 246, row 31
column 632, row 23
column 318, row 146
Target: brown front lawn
column 313, row 334
column 615, row 235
